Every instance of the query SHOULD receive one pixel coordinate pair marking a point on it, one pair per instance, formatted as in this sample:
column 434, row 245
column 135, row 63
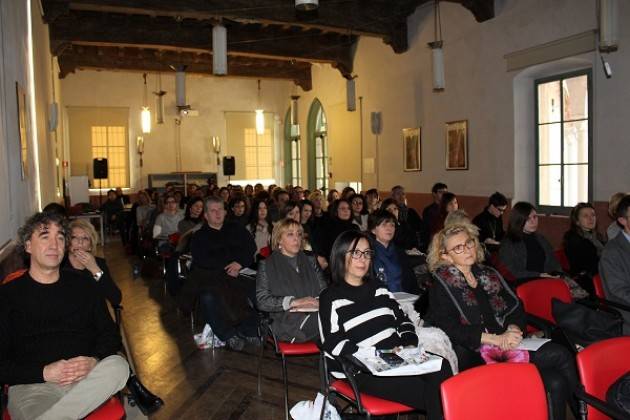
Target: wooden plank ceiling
column 267, row 39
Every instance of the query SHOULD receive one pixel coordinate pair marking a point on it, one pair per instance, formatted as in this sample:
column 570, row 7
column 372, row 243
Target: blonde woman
column 288, row 283
column 474, row 306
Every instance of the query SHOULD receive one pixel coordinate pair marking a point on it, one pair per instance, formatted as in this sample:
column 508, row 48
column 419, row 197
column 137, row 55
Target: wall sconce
column 216, row 147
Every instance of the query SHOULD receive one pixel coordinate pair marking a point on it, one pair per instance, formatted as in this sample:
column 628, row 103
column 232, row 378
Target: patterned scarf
column 502, row 300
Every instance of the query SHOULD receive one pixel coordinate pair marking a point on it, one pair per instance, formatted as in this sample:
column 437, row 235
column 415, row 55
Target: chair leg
column 261, row 354
column 286, row 387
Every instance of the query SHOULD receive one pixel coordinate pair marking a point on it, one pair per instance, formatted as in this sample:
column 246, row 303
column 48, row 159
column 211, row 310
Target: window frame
column 125, row 149
column 561, row 209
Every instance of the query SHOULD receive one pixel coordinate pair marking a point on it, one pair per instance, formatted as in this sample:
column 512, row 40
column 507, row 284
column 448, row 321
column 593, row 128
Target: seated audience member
column 280, row 198
column 56, row 207
column 224, row 193
column 193, row 216
column 359, row 211
column 220, row 249
column 324, row 235
column 81, row 259
column 614, row 265
column 613, row 229
column 291, row 210
column 112, row 208
column 260, row 226
column 297, row 194
column 258, row 187
column 490, row 222
column 124, row 198
column 448, row 204
column 432, row 211
column 59, row 343
column 166, row 223
column 583, row 244
column 408, row 214
column 527, row 254
column 475, row 307
column 373, row 201
column 179, row 197
column 288, row 284
column 249, row 191
column 237, row 210
column 331, row 197
column 347, row 192
column 356, row 312
column 390, row 263
column 144, row 209
column 319, row 205
column 457, row 217
column 405, row 237
column 307, row 221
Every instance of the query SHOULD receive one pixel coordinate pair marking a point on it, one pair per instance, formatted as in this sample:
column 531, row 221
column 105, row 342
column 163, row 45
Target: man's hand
column 233, row 268
column 307, row 302
column 66, row 372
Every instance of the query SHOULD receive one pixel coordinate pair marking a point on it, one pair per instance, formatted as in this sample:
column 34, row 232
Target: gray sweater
column 614, row 267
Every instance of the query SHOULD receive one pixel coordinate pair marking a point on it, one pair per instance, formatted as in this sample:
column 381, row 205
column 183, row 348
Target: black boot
column 145, row 400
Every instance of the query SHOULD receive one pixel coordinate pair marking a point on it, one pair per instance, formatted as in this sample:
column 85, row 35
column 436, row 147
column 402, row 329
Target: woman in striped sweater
column 356, row 311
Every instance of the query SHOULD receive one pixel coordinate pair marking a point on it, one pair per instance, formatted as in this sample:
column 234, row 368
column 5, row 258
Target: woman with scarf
column 583, row 245
column 288, row 283
column 482, row 316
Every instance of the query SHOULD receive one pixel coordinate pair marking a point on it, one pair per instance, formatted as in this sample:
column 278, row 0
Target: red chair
column 111, row 409
column 502, row 268
column 561, row 256
column 366, row 405
column 283, row 349
column 536, row 296
column 495, row 392
column 599, row 366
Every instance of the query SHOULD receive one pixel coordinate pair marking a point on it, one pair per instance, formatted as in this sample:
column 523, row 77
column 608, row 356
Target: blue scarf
column 387, row 259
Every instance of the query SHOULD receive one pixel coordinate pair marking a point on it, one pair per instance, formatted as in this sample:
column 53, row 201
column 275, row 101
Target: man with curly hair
column 58, row 343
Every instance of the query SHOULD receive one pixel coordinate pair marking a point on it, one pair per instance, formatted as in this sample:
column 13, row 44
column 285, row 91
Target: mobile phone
column 392, row 359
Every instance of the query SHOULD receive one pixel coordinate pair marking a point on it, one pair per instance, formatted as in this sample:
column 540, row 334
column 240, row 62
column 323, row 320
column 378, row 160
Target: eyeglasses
column 170, row 201
column 458, row 249
column 356, row 254
column 502, row 209
column 80, row 239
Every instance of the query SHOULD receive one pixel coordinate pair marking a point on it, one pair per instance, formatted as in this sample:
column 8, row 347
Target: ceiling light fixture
column 437, row 53
column 219, row 50
column 306, row 5
column 145, row 114
column 260, row 115
column 159, row 101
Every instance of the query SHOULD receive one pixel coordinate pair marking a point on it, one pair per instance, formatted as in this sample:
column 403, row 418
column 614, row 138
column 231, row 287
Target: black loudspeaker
column 229, row 166
column 100, row 168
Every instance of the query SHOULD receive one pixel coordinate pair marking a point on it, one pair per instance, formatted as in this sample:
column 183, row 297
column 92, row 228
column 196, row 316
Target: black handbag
column 585, row 325
column 618, row 395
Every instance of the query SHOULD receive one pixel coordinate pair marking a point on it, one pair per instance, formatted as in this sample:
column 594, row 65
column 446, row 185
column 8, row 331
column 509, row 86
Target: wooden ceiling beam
column 196, row 36
column 147, row 60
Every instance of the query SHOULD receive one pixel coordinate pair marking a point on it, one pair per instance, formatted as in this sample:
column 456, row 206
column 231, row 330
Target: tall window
column 564, row 140
column 292, row 153
column 110, row 142
column 258, row 154
column 318, row 138
column 296, row 166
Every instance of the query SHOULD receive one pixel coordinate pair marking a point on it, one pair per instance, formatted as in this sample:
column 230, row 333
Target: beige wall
column 478, row 89
column 211, row 96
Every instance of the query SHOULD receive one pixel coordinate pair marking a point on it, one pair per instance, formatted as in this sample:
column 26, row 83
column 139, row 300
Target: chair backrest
column 12, row 276
column 561, row 256
column 601, row 364
column 598, row 285
column 502, row 268
column 499, row 391
column 537, row 294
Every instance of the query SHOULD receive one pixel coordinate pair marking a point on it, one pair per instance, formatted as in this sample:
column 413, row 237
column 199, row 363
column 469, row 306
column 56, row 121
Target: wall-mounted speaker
column 229, row 166
column 376, row 122
column 100, row 168
column 351, row 97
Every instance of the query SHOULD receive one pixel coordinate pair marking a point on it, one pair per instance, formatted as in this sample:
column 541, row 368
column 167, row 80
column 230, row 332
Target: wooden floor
column 198, row 384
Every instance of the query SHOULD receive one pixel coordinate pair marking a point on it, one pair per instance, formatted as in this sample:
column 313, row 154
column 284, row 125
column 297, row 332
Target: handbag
column 618, row 395
column 494, row 354
column 585, row 325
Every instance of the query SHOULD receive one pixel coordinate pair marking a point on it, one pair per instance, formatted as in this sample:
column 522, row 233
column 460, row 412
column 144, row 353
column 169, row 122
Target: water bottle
column 381, row 276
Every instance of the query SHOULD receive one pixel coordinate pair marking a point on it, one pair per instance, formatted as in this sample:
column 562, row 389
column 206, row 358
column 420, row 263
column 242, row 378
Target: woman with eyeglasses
column 80, row 257
column 475, row 307
column 358, row 312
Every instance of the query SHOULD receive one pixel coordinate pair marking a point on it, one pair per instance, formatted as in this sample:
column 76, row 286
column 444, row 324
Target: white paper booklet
column 404, row 297
column 532, row 344
column 415, row 362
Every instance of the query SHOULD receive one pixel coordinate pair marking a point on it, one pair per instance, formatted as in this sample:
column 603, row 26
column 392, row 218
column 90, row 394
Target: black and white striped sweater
column 362, row 316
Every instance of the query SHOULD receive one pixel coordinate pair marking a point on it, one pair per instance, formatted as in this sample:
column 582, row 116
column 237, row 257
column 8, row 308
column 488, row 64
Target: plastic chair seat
column 373, row 405
column 111, row 409
column 296, row 349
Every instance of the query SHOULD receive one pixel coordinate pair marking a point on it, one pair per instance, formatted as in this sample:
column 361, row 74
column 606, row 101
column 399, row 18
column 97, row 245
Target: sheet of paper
column 532, row 344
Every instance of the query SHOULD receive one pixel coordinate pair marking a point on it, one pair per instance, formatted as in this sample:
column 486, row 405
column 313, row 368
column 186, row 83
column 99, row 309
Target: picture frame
column 412, row 149
column 457, row 145
column 22, row 129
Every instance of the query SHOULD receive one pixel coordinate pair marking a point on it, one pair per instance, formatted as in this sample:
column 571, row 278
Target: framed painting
column 412, row 149
column 22, row 132
column 457, row 145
